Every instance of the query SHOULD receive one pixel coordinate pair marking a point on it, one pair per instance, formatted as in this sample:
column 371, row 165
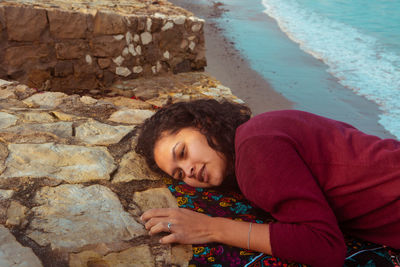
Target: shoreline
column 226, row 64
column 231, row 68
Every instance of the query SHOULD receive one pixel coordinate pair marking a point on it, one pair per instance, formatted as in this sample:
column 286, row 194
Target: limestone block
column 22, row 91
column 125, row 52
column 138, row 50
column 29, row 137
column 16, row 215
column 26, row 54
column 96, row 133
column 181, row 255
column 131, row 116
column 192, row 45
column 128, row 38
column 166, row 54
column 118, row 60
column 64, row 116
column 179, row 20
column 160, row 15
column 146, row 38
column 135, row 256
column 107, row 23
column 119, row 37
column 134, row 167
column 148, row 24
column 7, row 94
column 6, row 194
column 60, row 129
column 159, row 101
column 88, row 100
column 167, row 26
column 36, row 116
column 106, row 46
column 71, row 49
column 13, row 253
column 64, row 162
column 131, row 49
column 25, row 23
column 154, row 198
column 136, row 38
column 63, row 68
column 122, row 71
column 7, row 120
column 88, row 59
column 196, row 27
column 127, row 102
column 46, row 99
column 73, row 216
column 66, row 24
column 137, row 69
column 5, row 83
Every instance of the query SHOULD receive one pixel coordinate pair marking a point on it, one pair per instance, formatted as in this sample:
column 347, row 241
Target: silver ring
column 169, row 226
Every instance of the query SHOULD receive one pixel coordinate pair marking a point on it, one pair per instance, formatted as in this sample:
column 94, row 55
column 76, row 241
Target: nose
column 189, row 169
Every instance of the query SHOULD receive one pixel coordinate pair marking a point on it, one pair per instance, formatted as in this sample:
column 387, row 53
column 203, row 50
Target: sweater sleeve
column 272, row 175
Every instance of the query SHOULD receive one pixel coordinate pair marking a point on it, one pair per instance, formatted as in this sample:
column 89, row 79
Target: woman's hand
column 186, row 226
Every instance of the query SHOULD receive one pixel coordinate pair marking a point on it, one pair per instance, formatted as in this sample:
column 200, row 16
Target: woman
column 317, row 177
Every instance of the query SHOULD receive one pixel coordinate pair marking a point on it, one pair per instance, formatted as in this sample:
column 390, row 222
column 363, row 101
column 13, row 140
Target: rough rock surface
column 72, row 189
column 73, row 216
column 102, row 41
column 13, row 254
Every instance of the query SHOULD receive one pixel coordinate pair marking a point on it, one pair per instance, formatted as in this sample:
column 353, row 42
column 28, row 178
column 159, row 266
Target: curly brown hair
column 217, row 121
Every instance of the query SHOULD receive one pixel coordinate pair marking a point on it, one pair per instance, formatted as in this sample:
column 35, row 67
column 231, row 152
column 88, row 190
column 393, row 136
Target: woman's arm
column 190, row 227
column 273, row 175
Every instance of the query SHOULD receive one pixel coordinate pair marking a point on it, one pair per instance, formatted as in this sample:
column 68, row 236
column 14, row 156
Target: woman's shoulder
column 274, row 122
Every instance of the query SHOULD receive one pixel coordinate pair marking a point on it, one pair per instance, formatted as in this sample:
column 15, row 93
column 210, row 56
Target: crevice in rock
column 26, row 188
column 48, row 257
column 73, row 130
column 112, row 174
column 123, row 146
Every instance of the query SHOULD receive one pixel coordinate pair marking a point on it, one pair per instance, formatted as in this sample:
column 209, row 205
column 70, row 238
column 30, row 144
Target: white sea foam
column 358, row 60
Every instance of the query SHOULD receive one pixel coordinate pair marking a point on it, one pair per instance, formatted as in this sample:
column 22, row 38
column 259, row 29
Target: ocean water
column 333, row 58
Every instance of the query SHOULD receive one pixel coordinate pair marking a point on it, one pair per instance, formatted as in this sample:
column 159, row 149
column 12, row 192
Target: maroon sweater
column 319, row 177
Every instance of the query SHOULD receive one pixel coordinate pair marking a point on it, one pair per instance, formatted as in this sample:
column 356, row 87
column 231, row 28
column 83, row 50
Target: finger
column 158, row 228
column 172, row 238
column 155, row 213
column 153, row 221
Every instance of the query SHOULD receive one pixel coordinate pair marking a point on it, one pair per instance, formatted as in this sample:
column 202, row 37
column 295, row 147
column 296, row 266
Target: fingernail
column 160, row 241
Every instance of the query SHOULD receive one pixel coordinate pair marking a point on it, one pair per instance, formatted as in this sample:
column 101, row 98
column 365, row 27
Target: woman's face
column 187, row 156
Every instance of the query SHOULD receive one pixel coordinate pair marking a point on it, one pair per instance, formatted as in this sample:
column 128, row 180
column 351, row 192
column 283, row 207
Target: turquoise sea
column 321, row 54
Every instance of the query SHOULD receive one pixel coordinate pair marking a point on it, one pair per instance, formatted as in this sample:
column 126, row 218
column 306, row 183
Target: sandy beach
column 227, row 64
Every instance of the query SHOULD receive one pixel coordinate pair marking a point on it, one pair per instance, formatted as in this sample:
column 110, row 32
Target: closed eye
column 182, row 153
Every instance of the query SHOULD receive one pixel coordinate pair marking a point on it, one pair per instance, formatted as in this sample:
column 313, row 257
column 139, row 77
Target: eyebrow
column 173, row 151
column 174, row 158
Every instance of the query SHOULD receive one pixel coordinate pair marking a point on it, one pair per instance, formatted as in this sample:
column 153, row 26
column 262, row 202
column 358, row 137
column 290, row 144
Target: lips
column 201, row 174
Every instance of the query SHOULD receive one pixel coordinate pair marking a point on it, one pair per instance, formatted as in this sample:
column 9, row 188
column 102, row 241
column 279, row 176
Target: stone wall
column 74, row 45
